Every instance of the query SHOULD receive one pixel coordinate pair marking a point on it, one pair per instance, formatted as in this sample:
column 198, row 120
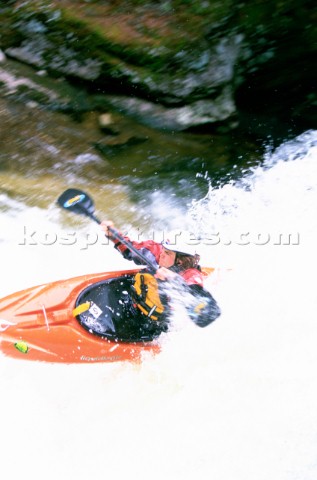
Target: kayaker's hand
column 105, row 225
column 165, row 274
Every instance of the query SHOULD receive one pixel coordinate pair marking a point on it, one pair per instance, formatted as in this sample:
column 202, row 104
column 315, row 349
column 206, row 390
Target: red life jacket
column 206, row 310
column 192, row 276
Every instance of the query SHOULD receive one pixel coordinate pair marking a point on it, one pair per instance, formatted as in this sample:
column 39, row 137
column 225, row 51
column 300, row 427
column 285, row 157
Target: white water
column 234, row 401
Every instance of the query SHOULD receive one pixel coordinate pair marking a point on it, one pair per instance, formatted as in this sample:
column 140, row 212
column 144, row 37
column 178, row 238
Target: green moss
column 9, row 34
column 94, row 40
column 153, row 50
column 26, row 94
column 136, row 41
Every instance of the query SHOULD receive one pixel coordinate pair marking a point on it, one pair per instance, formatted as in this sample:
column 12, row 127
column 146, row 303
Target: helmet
column 182, row 248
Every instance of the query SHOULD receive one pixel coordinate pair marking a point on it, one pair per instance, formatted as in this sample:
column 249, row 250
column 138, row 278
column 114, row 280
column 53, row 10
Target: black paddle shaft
column 79, row 202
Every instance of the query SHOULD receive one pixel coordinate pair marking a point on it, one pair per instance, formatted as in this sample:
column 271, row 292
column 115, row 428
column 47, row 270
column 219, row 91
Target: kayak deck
column 38, row 324
column 83, row 319
column 110, row 313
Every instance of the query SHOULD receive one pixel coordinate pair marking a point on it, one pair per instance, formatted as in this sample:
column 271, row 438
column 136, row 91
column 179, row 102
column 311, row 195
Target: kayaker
column 176, row 264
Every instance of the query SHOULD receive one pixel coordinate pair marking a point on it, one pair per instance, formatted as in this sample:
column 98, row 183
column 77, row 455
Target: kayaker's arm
column 149, row 249
column 201, row 307
column 166, row 274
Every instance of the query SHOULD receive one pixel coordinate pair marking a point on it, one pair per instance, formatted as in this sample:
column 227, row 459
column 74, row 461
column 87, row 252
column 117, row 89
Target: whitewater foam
column 236, row 400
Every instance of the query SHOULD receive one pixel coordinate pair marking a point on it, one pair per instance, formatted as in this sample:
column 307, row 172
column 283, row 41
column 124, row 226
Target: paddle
column 79, row 202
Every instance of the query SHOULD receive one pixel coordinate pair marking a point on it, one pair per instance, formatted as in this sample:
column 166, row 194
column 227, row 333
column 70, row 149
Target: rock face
column 175, row 64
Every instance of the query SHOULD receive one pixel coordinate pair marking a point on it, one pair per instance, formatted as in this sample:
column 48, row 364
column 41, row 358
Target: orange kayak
column 85, row 319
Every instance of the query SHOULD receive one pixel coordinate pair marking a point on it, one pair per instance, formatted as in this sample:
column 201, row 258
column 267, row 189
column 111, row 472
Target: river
column 236, row 400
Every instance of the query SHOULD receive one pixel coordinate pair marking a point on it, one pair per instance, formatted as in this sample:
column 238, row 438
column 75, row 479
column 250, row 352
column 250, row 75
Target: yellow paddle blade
column 83, row 307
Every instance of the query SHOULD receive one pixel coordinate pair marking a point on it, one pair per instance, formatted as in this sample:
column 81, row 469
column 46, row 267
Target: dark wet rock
column 170, row 67
column 109, row 131
column 176, row 118
column 111, row 149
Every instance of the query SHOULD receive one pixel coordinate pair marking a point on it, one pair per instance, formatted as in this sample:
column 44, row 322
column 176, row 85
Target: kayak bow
column 41, row 323
column 79, row 320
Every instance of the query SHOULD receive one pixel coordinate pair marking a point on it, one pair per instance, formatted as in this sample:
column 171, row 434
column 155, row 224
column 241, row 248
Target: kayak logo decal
column 95, row 310
column 74, row 200
column 115, row 358
column 22, row 347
